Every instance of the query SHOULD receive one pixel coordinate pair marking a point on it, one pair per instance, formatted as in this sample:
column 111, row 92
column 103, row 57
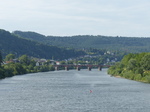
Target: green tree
column 126, row 58
column 1, row 73
column 145, row 62
column 62, row 62
column 24, row 59
column 132, row 64
column 135, row 67
column 8, row 70
column 1, row 60
column 9, row 57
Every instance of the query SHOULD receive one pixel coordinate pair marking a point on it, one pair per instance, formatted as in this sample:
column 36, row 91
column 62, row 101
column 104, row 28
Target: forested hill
column 10, row 43
column 130, row 44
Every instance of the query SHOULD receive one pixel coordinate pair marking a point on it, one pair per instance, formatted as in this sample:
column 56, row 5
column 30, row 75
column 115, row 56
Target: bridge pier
column 66, row 68
column 89, row 68
column 100, row 68
column 78, row 68
column 56, row 68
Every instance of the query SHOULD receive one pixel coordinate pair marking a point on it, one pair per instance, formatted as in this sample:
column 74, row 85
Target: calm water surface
column 73, row 91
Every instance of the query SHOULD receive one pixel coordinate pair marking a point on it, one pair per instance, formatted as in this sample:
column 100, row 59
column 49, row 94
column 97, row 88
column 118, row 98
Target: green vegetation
column 100, row 57
column 81, row 49
column 133, row 66
column 126, row 44
column 9, row 57
column 12, row 44
column 24, row 66
column 12, row 65
column 1, row 60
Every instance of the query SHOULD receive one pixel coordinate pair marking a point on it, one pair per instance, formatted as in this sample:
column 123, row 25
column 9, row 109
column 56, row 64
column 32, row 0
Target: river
column 73, row 91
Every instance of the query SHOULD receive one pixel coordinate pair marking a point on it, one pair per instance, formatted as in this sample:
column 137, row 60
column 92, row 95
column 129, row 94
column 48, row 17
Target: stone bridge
column 78, row 67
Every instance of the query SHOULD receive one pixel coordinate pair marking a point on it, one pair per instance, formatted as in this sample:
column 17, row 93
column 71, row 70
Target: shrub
column 148, row 79
column 138, row 77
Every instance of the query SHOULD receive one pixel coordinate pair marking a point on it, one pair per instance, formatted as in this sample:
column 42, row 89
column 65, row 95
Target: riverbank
column 134, row 67
column 13, row 69
column 118, row 76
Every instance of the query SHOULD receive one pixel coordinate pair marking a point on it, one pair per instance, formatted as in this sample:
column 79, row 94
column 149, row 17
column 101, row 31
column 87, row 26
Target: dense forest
column 10, row 43
column 127, row 44
column 133, row 66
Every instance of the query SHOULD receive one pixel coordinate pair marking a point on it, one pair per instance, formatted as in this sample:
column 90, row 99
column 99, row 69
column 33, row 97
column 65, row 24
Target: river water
column 73, row 91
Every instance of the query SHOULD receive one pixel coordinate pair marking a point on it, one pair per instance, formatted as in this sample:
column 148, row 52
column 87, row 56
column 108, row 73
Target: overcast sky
column 77, row 17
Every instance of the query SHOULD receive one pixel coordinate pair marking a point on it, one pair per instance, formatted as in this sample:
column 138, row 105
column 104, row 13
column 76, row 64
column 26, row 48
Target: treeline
column 24, row 66
column 133, row 66
column 10, row 43
column 129, row 44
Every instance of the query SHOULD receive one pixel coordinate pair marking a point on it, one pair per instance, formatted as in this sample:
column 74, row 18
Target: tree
column 135, row 67
column 62, row 62
column 126, row 58
column 9, row 57
column 1, row 60
column 132, row 64
column 24, row 59
column 1, row 73
column 145, row 62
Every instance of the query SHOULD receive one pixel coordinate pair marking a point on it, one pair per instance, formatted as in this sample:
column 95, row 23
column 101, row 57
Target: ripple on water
column 69, row 91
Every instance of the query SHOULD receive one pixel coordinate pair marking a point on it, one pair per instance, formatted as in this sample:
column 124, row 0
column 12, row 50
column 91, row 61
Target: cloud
column 69, row 17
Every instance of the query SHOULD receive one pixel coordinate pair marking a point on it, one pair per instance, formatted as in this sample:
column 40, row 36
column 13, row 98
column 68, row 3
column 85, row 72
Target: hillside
column 130, row 44
column 10, row 43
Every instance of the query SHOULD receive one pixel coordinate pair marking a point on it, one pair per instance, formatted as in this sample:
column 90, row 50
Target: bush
column 2, row 73
column 138, row 77
column 148, row 79
column 128, row 75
